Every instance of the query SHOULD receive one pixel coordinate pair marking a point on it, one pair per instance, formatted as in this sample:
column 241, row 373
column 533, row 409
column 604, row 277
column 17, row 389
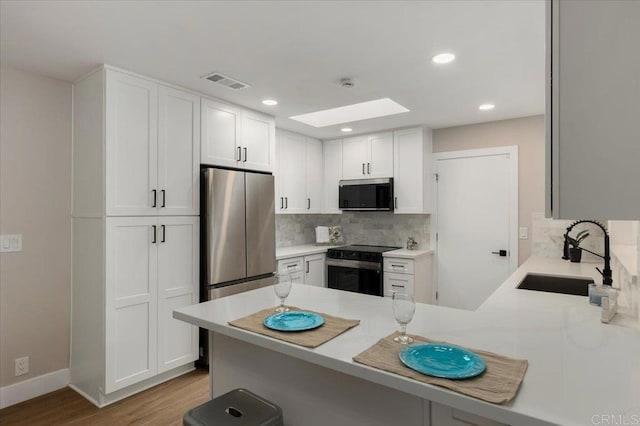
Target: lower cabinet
column 413, row 276
column 123, row 331
column 310, row 270
column 442, row 415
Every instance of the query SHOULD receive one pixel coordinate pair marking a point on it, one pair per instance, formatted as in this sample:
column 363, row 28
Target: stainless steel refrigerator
column 238, row 234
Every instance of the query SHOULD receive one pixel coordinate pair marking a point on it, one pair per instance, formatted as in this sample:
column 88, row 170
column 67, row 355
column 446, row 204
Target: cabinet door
column 178, row 152
column 380, row 162
column 131, row 145
column 408, row 180
column 258, row 141
column 332, row 175
column 178, row 260
column 313, row 175
column 315, row 270
column 442, row 415
column 354, row 157
column 397, row 282
column 131, row 301
column 291, row 148
column 220, row 124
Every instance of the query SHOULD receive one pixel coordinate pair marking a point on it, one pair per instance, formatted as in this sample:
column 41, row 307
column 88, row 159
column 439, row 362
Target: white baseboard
column 23, row 391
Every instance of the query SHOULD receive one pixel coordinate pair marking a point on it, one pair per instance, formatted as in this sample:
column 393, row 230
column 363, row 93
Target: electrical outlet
column 22, row 366
column 10, row 243
column 524, row 232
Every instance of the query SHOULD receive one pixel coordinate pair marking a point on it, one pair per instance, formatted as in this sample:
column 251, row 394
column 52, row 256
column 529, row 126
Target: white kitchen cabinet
column 178, row 153
column 442, row 415
column 235, row 137
column 368, row 156
column 332, row 151
column 412, row 275
column 313, row 175
column 220, row 134
column 299, row 173
column 412, row 170
column 593, row 105
column 310, row 270
column 290, row 175
column 136, row 156
column 151, row 269
column 315, row 268
column 152, row 148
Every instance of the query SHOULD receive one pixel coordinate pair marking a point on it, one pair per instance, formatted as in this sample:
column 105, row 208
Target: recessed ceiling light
column 270, row 102
column 443, row 58
column 346, row 129
column 350, row 113
column 486, row 107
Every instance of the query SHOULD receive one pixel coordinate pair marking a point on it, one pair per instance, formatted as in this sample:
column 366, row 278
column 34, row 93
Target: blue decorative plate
column 293, row 321
column 442, row 360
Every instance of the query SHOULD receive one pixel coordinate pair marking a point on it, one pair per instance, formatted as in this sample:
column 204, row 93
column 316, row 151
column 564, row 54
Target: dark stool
column 238, row 407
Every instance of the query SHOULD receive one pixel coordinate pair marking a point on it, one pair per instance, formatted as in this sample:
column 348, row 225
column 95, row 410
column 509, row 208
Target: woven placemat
column 499, row 383
column 332, row 327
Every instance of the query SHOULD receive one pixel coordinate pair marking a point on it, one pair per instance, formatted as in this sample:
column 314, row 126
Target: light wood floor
column 164, row 404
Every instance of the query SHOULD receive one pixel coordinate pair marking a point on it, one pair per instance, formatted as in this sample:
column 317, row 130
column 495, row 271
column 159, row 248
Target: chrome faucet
column 606, row 272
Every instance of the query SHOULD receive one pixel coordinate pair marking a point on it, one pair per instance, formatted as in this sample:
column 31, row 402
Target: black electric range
column 356, row 268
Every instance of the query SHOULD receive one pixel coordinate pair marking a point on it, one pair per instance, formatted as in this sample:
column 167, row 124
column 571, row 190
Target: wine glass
column 403, row 309
column 282, row 287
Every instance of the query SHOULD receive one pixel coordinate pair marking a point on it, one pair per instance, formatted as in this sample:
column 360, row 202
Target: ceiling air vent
column 226, row 81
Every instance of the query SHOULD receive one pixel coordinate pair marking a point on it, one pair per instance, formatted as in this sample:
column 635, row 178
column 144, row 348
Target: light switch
column 524, row 233
column 11, row 243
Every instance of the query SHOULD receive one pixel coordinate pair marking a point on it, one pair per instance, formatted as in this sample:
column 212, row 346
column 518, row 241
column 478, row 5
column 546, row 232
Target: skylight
column 349, row 113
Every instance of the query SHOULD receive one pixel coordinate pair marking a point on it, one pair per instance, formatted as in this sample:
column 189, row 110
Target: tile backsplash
column 375, row 228
column 548, row 237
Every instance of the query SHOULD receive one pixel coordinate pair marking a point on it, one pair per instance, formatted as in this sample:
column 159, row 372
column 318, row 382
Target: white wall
column 35, row 201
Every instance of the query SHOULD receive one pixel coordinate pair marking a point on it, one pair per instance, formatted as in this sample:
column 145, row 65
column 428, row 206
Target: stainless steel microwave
column 366, row 194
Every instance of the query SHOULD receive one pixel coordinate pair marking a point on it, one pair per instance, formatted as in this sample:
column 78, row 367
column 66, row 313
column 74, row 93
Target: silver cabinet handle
column 308, row 203
column 245, row 154
column 154, row 234
column 368, row 168
column 286, row 202
column 164, row 233
column 395, row 202
column 397, row 266
column 363, row 168
column 239, row 154
column 307, row 266
column 292, row 266
column 155, row 196
column 281, row 203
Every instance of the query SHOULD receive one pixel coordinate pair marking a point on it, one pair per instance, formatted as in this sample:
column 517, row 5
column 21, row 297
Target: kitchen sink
column 556, row 284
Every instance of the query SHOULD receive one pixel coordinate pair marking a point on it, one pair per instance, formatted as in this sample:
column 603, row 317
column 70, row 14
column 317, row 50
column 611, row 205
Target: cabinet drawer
column 297, row 277
column 397, row 282
column 293, row 264
column 401, row 266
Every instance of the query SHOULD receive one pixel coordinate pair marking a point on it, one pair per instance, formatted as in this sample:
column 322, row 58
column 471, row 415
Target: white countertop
column 407, row 254
column 303, row 250
column 578, row 367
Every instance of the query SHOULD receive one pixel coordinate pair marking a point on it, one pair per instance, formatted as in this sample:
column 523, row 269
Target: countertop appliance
column 366, row 194
column 238, row 250
column 356, row 268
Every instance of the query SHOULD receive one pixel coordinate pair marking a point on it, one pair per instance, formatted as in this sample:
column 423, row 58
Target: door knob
column 501, row 253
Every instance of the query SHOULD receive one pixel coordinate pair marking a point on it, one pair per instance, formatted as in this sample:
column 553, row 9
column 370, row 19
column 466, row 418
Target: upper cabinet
column 152, row 148
column 593, row 106
column 299, row 174
column 234, row 137
column 332, row 151
column 412, row 174
column 369, row 156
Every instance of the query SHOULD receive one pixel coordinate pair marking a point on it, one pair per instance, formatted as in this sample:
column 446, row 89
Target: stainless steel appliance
column 356, row 268
column 237, row 235
column 366, row 194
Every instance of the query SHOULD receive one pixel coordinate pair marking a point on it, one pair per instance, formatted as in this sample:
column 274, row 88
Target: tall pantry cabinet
column 136, row 156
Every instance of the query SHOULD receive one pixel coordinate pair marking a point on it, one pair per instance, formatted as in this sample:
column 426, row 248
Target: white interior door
column 476, row 218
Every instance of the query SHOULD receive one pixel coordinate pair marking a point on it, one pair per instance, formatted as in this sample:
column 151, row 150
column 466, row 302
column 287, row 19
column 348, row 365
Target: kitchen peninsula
column 579, row 369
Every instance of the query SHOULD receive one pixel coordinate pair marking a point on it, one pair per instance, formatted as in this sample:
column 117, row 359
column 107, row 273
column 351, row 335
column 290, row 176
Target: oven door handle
column 355, row 264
